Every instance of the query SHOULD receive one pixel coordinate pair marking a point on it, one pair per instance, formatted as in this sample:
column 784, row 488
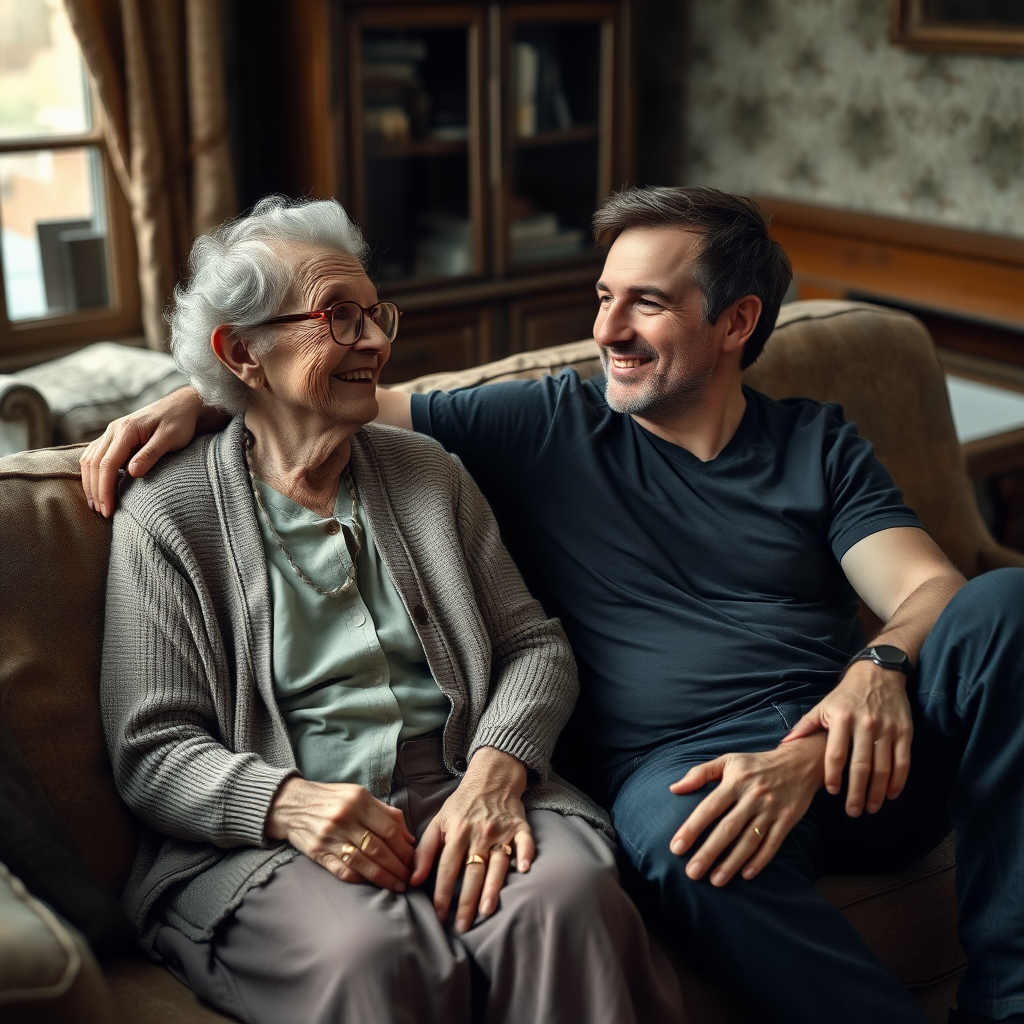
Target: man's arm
column 395, row 408
column 140, row 439
column 143, row 437
column 904, row 578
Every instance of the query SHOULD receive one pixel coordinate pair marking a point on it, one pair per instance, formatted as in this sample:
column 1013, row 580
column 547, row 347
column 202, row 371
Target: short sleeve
column 864, row 497
column 498, row 431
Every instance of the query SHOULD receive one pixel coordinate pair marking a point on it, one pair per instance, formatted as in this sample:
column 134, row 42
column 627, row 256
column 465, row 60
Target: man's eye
column 603, row 300
column 647, row 305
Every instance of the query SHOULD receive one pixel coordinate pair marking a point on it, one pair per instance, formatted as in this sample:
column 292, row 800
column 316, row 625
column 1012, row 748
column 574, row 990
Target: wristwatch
column 886, row 656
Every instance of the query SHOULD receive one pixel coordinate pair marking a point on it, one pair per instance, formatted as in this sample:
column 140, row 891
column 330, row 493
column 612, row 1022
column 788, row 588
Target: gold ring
column 475, row 858
column 347, row 850
column 504, row 848
column 365, row 841
column 757, row 832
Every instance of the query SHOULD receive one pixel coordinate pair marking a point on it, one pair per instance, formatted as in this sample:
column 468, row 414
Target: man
column 704, row 547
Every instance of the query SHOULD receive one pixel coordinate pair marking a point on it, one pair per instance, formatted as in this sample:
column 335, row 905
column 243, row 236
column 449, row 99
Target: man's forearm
column 910, row 624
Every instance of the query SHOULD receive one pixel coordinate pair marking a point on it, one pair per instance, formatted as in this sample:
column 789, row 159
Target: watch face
column 889, row 653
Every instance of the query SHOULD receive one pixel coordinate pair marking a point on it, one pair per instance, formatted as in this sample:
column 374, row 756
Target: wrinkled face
column 306, row 370
column 658, row 352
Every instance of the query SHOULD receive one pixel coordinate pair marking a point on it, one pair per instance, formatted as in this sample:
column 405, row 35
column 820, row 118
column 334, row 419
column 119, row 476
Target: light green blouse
column 350, row 674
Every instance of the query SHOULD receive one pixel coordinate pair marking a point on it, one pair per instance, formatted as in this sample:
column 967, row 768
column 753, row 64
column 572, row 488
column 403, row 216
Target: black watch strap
column 886, row 656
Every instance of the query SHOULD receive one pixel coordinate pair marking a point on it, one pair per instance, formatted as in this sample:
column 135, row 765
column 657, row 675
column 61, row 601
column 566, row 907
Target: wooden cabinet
column 472, row 142
column 438, row 340
column 542, row 320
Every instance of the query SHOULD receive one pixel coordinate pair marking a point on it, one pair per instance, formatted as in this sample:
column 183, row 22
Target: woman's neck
column 303, row 464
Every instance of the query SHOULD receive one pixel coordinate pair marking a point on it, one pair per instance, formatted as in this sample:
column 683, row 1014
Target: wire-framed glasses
column 345, row 319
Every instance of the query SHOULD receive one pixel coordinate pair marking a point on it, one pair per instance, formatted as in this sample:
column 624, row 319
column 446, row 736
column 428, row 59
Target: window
column 66, row 250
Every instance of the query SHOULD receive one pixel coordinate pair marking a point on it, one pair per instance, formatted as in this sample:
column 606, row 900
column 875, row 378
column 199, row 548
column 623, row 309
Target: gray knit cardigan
column 198, row 745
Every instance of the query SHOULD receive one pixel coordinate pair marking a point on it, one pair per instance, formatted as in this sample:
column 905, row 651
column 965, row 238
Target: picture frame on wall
column 965, row 26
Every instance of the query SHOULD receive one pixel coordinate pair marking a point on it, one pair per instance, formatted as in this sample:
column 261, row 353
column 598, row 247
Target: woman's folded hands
column 474, row 834
column 345, row 829
column 359, row 838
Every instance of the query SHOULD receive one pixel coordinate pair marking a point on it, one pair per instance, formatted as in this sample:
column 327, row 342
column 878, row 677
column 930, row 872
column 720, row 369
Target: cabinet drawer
column 552, row 319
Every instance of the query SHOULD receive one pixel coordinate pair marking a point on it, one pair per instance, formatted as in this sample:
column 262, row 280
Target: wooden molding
column 965, row 273
column 914, row 28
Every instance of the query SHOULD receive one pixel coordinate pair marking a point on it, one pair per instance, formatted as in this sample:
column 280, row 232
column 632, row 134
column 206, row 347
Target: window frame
column 25, row 342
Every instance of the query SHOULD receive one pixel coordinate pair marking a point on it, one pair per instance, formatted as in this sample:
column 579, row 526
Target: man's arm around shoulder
column 395, row 408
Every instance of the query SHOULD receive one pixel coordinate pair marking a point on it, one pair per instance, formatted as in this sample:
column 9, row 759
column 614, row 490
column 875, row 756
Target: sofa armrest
column 47, row 972
column 998, row 557
column 25, row 418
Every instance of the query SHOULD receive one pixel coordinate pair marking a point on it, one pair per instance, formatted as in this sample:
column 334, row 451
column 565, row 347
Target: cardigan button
column 460, row 764
column 419, row 615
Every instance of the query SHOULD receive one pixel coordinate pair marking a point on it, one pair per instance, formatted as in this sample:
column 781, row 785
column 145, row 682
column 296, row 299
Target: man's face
column 658, row 353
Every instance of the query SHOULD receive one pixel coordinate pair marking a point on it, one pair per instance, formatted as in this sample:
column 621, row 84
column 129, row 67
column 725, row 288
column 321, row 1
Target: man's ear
column 235, row 353
column 740, row 320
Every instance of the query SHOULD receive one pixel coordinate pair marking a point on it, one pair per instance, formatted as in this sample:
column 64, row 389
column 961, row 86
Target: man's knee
column 993, row 600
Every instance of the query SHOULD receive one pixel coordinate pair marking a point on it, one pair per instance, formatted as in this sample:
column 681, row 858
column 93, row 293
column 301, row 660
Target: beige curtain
column 159, row 72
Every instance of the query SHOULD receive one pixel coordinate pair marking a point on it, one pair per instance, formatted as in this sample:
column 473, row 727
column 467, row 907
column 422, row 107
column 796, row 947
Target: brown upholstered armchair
column 881, row 365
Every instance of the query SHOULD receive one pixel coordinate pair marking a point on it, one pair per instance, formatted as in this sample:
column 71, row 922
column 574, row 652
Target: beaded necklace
column 355, row 532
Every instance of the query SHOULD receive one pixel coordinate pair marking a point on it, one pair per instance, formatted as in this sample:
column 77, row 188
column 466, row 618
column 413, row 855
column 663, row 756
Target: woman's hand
column 760, row 797
column 344, row 829
column 483, row 814
column 163, row 426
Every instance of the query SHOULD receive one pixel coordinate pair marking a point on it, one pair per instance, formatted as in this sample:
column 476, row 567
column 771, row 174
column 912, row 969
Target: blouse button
column 358, row 619
column 333, row 527
column 376, row 677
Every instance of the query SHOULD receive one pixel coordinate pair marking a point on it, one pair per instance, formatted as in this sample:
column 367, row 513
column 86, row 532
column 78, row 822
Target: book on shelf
column 541, row 103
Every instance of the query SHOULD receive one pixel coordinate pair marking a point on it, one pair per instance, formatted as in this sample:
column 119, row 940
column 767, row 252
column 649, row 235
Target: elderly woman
column 328, row 695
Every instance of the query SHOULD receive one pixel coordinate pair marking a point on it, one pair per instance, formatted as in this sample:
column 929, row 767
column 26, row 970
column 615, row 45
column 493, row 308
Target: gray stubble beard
column 647, row 401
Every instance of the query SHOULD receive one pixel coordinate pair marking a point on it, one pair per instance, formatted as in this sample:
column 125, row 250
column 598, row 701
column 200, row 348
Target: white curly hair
column 236, row 277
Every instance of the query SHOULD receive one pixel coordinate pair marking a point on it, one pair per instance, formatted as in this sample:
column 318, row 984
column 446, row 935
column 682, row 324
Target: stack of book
column 395, row 103
column 539, row 237
column 445, row 246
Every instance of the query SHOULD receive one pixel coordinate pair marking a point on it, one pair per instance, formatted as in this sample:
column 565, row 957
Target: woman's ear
column 235, row 353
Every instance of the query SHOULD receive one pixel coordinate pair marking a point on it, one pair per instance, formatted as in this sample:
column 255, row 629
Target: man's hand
column 485, row 812
column 163, row 426
column 759, row 798
column 345, row 829
column 869, row 712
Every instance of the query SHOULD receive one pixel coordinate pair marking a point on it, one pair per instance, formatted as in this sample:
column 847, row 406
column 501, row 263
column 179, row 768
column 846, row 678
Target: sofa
column 68, row 841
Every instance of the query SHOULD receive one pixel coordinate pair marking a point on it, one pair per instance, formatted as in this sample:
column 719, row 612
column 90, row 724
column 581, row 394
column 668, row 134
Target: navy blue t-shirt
column 690, row 591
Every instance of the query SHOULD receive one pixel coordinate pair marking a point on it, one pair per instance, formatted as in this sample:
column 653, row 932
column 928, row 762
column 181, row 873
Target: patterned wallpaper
column 808, row 100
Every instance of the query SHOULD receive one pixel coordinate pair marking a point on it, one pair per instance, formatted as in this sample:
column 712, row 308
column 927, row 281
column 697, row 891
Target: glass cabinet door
column 557, row 125
column 416, row 157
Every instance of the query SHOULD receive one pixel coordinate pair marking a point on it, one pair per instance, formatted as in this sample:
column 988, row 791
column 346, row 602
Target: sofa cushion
column 37, row 847
column 47, row 974
column 52, row 584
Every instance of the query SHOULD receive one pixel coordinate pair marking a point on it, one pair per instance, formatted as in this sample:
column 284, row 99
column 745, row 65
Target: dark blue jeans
column 783, row 947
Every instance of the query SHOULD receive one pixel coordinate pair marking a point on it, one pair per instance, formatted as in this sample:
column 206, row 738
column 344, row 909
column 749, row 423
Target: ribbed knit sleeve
column 166, row 700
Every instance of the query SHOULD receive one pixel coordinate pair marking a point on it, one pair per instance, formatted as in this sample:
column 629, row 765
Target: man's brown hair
column 737, row 256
